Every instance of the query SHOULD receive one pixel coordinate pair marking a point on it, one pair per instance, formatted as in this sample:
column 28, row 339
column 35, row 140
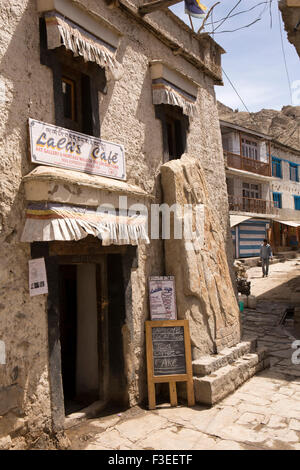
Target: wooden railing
column 247, row 204
column 234, row 160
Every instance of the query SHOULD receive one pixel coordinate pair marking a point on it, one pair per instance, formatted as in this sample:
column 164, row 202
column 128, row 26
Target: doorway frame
column 53, row 253
column 102, row 314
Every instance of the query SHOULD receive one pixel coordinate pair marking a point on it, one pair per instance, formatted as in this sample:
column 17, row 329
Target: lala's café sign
column 56, row 146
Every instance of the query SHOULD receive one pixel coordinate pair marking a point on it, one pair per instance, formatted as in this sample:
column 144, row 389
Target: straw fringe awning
column 61, row 31
column 59, row 222
column 168, row 96
column 164, row 93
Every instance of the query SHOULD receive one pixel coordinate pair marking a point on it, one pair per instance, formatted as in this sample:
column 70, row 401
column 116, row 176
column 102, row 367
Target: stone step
column 208, row 364
column 216, row 386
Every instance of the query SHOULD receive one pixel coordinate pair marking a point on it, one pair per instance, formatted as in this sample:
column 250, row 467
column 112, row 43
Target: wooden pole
column 270, row 160
column 192, row 26
column 205, row 19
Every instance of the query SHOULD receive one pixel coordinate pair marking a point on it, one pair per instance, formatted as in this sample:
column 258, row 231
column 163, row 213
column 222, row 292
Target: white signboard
column 37, row 277
column 56, row 146
column 162, row 298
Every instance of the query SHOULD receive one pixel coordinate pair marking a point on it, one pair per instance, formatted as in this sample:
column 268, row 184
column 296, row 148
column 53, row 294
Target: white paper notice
column 37, row 277
column 2, row 353
column 162, row 298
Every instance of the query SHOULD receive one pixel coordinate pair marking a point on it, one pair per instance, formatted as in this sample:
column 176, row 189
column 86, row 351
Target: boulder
column 204, row 291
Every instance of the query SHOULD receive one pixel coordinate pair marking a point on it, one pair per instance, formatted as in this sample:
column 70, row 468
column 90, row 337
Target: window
column 76, row 100
column 250, row 149
column 294, row 172
column 277, row 200
column 175, row 128
column 69, row 94
column 297, row 203
column 76, row 84
column 276, row 167
column 174, row 138
column 76, row 97
column 251, row 190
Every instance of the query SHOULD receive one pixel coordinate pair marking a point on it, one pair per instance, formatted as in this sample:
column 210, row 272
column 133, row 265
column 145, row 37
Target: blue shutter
column 277, row 200
column 294, row 166
column 276, row 167
column 297, row 203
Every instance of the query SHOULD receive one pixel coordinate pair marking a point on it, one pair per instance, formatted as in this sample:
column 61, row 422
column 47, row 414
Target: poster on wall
column 37, row 277
column 63, row 148
column 162, row 298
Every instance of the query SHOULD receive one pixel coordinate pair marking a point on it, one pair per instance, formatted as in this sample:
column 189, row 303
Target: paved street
column 263, row 414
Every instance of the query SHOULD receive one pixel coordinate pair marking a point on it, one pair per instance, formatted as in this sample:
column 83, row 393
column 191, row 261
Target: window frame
column 296, row 202
column 74, row 103
column 166, row 113
column 277, row 201
column 57, row 60
column 277, row 162
column 250, row 148
column 295, row 167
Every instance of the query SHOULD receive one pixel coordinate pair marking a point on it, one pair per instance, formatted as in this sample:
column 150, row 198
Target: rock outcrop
column 283, row 126
column 204, row 291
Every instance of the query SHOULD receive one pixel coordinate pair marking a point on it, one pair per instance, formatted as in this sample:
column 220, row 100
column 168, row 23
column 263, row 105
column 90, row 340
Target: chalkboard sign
column 169, row 358
column 168, row 350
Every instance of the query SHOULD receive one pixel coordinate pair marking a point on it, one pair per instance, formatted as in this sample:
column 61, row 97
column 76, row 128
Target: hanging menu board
column 169, row 358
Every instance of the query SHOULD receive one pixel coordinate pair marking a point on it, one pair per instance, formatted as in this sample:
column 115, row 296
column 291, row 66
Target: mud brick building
column 73, row 72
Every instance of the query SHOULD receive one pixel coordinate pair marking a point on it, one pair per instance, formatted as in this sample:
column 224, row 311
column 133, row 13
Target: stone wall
column 291, row 18
column 127, row 117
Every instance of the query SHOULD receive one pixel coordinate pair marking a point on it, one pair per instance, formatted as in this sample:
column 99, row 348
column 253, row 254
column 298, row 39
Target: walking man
column 265, row 255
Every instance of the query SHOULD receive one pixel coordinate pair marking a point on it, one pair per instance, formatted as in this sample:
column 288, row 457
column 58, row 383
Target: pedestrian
column 265, row 255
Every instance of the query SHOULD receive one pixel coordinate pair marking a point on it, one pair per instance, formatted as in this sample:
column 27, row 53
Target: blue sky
column 253, row 60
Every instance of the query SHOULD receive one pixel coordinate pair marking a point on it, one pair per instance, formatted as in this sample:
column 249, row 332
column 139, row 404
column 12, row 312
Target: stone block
column 5, row 443
column 216, row 386
column 208, row 364
column 10, row 397
column 11, row 424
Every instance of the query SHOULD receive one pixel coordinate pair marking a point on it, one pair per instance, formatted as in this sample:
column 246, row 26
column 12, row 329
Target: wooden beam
column 293, row 3
column 149, row 7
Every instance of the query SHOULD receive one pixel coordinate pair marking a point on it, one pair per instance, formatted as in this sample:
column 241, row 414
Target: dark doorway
column 68, row 329
column 92, row 316
column 116, row 319
column 79, row 335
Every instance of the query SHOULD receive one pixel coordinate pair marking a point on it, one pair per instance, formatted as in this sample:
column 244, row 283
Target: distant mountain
column 283, row 125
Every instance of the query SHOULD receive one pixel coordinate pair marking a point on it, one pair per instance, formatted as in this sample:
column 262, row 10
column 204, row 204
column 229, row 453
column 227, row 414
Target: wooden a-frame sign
column 169, row 360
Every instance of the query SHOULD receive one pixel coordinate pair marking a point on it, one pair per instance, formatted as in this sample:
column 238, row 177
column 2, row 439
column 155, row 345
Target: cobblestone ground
column 262, row 414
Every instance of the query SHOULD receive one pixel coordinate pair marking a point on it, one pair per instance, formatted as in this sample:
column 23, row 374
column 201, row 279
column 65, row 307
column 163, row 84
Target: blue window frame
column 276, row 167
column 294, row 176
column 297, row 203
column 277, row 198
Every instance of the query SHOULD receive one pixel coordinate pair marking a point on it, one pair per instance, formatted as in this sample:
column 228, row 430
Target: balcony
column 247, row 204
column 234, row 160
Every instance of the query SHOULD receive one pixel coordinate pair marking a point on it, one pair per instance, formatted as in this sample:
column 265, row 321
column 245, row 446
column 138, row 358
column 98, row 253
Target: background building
column 263, row 190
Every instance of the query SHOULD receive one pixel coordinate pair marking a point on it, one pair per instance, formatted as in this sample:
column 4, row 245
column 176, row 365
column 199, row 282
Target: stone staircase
column 217, row 376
